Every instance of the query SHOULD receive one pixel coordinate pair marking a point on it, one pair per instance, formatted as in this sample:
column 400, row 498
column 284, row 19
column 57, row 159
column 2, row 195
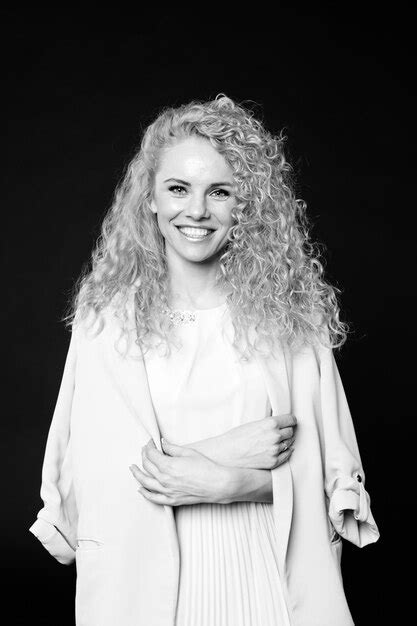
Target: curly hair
column 269, row 265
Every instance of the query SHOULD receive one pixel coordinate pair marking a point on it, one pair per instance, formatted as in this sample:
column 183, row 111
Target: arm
column 259, row 444
column 242, row 484
column 348, row 501
column 56, row 521
column 209, row 447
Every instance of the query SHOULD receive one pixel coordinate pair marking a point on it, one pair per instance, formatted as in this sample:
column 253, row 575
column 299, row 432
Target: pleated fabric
column 229, row 573
column 228, row 555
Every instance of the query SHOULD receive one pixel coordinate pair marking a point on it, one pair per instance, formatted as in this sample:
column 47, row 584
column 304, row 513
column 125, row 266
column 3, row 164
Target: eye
column 178, row 190
column 220, row 193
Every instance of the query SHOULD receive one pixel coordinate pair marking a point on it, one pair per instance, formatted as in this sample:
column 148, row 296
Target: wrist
column 207, row 447
column 232, row 484
column 250, row 485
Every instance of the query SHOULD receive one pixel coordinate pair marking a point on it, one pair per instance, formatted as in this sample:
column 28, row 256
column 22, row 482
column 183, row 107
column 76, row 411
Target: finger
column 285, row 434
column 290, row 442
column 284, row 420
column 150, row 468
column 148, row 465
column 156, row 457
column 285, row 446
column 157, row 498
column 150, row 483
column 279, row 433
column 173, row 449
column 162, row 469
column 284, row 456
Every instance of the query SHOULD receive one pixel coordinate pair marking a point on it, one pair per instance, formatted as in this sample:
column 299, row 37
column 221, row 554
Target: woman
column 201, row 359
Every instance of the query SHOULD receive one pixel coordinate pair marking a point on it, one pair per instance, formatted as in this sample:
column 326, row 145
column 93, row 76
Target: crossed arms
column 234, row 466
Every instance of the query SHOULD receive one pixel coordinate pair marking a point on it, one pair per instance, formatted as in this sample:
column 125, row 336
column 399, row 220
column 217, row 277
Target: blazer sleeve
column 349, row 504
column 56, row 522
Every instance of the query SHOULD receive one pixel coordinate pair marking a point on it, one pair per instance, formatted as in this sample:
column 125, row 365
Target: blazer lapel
column 129, row 372
column 277, row 375
column 133, row 382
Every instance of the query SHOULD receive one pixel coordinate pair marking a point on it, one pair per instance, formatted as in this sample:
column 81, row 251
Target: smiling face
column 193, row 200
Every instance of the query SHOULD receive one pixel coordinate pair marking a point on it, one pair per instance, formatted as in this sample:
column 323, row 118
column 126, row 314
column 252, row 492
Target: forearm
column 209, row 447
column 247, row 485
column 241, row 483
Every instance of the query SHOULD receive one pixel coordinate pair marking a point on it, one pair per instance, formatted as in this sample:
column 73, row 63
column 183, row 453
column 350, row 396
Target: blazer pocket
column 92, row 562
column 85, row 544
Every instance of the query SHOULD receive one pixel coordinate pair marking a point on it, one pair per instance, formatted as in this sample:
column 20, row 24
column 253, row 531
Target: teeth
column 197, row 233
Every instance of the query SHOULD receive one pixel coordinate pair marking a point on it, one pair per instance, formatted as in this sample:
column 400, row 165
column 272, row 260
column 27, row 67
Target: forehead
column 193, row 158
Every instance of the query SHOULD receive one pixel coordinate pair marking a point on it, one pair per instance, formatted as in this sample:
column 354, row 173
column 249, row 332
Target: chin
column 197, row 258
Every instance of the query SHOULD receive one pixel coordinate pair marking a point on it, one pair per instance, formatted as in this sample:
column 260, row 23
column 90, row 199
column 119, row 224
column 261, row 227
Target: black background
column 78, row 90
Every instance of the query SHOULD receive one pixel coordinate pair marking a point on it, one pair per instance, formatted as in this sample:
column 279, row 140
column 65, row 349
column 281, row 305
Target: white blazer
column 126, row 547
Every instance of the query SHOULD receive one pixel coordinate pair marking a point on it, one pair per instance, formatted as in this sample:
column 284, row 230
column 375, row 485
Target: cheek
column 226, row 216
column 165, row 209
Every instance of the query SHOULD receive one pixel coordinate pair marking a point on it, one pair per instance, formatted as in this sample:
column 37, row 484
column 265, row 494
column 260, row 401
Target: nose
column 197, row 208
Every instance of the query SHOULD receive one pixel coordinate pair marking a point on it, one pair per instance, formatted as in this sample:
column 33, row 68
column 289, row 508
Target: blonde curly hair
column 269, row 265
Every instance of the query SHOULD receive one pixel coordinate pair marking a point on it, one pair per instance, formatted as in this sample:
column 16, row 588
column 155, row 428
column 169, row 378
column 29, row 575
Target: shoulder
column 112, row 329
column 309, row 356
column 94, row 325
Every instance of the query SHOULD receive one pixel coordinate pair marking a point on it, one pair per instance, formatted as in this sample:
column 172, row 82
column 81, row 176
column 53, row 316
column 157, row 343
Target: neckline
column 212, row 309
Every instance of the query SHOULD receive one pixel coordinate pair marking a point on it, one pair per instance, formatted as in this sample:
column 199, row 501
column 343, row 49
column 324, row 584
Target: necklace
column 185, row 316
column 179, row 317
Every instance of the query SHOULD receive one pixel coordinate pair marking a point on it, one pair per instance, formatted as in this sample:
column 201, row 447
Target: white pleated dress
column 228, row 557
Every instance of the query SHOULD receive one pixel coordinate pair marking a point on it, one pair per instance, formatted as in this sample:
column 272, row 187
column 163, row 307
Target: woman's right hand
column 261, row 444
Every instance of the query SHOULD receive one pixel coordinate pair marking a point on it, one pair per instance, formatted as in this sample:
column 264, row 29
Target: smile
column 193, row 233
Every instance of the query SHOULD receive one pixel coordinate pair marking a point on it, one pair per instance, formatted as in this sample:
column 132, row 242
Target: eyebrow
column 184, row 182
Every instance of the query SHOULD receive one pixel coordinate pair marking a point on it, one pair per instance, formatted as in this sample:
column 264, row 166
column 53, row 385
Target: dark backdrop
column 78, row 91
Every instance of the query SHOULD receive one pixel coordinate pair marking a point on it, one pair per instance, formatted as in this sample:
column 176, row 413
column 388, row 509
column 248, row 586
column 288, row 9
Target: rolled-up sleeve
column 349, row 504
column 53, row 541
column 56, row 523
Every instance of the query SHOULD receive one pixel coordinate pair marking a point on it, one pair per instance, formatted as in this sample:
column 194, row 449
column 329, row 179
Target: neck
column 193, row 285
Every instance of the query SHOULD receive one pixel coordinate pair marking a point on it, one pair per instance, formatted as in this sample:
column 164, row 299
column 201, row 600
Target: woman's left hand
column 184, row 477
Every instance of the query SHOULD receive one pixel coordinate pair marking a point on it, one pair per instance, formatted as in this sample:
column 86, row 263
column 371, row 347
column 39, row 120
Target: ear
column 153, row 206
